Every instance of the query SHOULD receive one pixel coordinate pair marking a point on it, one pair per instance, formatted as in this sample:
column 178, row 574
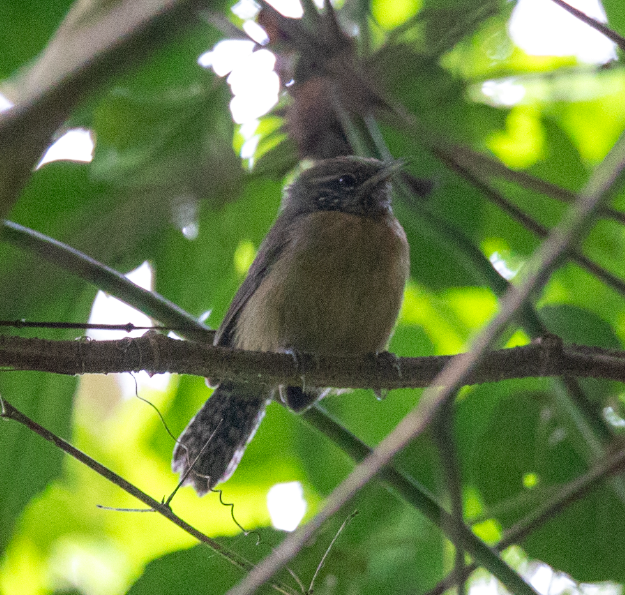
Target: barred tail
column 215, row 439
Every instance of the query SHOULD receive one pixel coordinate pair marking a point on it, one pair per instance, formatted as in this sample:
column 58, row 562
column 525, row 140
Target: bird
column 328, row 279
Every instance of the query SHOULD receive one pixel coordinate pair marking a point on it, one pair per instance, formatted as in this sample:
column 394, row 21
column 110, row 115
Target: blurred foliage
column 173, row 182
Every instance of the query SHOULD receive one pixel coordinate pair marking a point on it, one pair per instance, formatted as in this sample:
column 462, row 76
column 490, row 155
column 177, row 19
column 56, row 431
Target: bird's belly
column 337, row 289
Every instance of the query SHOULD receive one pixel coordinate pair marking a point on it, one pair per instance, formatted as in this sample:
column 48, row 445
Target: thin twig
column 327, row 552
column 7, row 411
column 595, row 24
column 129, row 327
column 529, row 223
column 104, row 278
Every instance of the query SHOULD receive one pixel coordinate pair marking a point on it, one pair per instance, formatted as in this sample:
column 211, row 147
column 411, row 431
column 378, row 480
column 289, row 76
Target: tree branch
column 594, row 23
column 104, row 278
column 158, row 354
column 90, row 47
column 7, row 411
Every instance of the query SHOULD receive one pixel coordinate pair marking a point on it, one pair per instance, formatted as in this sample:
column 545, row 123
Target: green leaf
column 189, row 571
column 28, row 462
column 208, row 280
column 576, row 325
column 506, row 438
column 373, row 552
column 616, row 18
column 585, row 540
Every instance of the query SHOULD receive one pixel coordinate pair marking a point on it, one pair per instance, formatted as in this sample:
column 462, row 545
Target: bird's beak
column 388, row 170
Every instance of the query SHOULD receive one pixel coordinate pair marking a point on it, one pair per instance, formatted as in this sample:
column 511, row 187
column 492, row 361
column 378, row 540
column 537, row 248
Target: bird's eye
column 347, row 181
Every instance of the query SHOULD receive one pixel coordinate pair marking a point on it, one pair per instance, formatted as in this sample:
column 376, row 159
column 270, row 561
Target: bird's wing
column 270, row 250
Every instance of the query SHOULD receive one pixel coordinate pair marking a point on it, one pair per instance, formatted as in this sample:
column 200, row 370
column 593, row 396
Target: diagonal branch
column 528, row 222
column 600, row 187
column 594, row 23
column 7, row 411
column 104, row 278
column 90, row 47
